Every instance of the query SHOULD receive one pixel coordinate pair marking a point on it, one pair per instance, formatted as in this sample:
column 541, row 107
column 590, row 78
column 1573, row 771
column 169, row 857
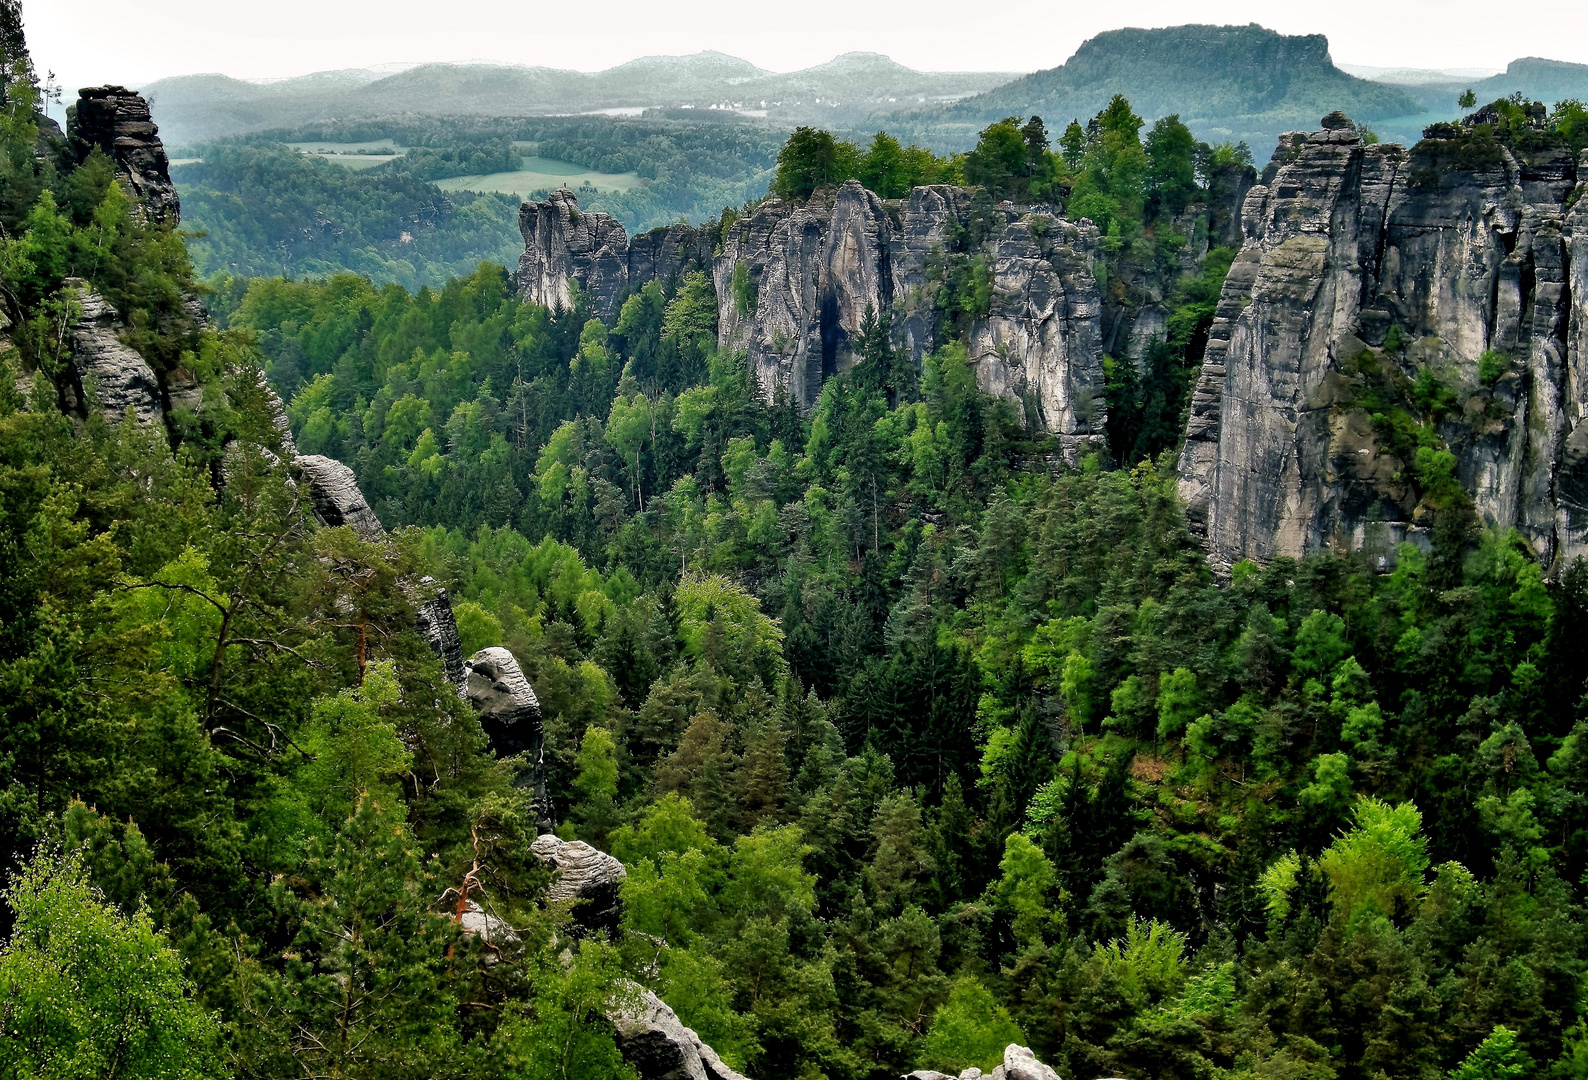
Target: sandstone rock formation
column 337, row 501
column 108, row 374
column 117, row 120
column 590, row 877
column 439, row 628
column 659, row 1047
column 1366, row 268
column 794, row 283
column 563, row 244
column 510, row 714
column 1040, row 346
column 1019, row 1064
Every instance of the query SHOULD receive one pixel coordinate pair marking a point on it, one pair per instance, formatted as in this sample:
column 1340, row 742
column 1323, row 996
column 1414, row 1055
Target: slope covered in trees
column 912, row 743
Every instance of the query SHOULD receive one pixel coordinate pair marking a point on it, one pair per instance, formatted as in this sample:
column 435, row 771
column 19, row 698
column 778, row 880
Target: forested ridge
column 914, row 742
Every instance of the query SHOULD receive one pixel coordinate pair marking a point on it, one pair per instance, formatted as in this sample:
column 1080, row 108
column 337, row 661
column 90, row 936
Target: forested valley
column 914, row 741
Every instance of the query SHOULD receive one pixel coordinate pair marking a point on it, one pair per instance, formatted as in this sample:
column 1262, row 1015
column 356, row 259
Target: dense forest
column 258, row 210
column 256, row 207
column 913, row 743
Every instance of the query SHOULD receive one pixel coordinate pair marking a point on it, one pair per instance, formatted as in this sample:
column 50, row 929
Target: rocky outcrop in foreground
column 1445, row 285
column 659, row 1047
column 1019, row 1064
column 118, row 121
column 589, row 877
column 333, row 489
column 510, row 714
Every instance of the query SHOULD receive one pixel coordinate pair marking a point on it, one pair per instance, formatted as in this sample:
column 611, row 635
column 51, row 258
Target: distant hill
column 844, row 91
column 1226, row 82
column 1437, row 92
column 1548, row 81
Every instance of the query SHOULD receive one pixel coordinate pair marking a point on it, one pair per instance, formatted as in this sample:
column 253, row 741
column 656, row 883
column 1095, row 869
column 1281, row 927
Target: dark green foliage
column 912, row 741
column 813, row 158
column 250, row 204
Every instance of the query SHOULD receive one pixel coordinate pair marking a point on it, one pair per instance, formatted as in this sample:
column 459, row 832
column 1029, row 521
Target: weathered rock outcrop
column 1040, row 345
column 1019, row 1064
column 589, row 877
column 439, row 628
column 794, row 283
column 118, row 121
column 337, row 501
column 659, row 1047
column 510, row 714
column 1365, row 269
column 809, row 274
column 108, row 374
column 564, row 244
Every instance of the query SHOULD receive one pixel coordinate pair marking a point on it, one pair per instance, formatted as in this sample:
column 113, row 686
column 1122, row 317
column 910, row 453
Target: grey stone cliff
column 1365, row 268
column 108, row 374
column 794, row 283
column 439, row 628
column 117, row 120
column 659, row 1047
column 564, row 244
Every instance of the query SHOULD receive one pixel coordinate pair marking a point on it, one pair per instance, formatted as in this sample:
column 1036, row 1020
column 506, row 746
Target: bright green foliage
column 1178, row 703
column 1025, row 889
column 1378, row 865
column 1498, row 1057
column 970, row 1028
column 595, row 785
column 564, row 1034
column 88, row 991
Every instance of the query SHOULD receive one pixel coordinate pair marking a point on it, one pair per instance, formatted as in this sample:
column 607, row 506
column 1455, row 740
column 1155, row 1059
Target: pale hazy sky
column 137, row 41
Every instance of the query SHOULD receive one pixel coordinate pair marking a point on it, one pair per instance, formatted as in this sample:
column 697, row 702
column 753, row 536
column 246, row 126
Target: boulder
column 477, row 922
column 583, row 874
column 1021, row 1064
column 337, row 500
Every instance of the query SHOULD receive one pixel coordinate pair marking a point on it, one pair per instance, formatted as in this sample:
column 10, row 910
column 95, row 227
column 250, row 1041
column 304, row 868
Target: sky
column 134, row 42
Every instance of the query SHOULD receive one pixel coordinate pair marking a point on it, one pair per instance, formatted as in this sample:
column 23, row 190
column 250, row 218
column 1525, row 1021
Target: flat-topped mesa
column 794, row 283
column 118, row 121
column 563, row 244
column 1367, row 268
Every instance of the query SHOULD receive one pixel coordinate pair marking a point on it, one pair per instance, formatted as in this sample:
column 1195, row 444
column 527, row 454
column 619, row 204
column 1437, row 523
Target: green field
column 354, row 156
column 542, row 174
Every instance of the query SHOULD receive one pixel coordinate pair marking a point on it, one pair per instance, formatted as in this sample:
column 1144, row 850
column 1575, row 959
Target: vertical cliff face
column 563, row 244
column 1387, row 300
column 1041, row 344
column 794, row 284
